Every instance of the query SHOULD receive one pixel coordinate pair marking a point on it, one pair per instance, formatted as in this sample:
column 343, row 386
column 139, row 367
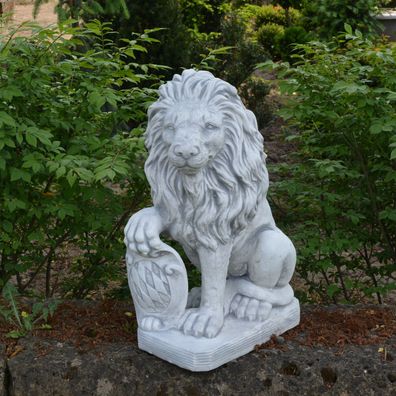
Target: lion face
column 194, row 135
column 206, row 158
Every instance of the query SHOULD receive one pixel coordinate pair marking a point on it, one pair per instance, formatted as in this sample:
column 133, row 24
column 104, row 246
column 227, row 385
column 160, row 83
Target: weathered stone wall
column 53, row 368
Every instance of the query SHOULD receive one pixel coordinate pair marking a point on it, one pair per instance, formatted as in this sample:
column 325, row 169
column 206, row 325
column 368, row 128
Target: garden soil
column 87, row 324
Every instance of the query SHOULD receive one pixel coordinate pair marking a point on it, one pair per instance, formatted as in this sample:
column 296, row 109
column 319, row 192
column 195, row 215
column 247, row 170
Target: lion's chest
column 189, row 243
column 183, row 233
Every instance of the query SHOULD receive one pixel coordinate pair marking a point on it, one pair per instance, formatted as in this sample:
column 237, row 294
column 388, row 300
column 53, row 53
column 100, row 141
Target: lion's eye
column 169, row 127
column 210, row 126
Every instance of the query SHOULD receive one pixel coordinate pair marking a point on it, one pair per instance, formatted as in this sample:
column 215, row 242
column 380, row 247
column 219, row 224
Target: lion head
column 206, row 164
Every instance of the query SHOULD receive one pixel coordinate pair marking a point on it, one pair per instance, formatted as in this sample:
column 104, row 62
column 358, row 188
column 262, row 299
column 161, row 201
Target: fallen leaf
column 18, row 349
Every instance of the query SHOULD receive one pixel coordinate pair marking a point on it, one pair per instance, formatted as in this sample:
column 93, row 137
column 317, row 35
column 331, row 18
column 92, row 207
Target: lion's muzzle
column 188, row 157
column 186, row 151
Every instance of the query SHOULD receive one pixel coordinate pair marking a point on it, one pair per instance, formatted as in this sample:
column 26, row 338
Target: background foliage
column 73, row 106
column 327, row 17
column 338, row 196
column 71, row 172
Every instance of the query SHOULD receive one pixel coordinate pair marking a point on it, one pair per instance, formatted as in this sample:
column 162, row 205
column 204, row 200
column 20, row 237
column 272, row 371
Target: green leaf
column 19, row 137
column 348, row 28
column 61, row 171
column 7, row 226
column 71, row 177
column 27, row 323
column 287, row 87
column 376, row 128
column 388, row 214
column 6, row 119
column 96, row 99
column 9, row 143
column 267, row 66
column 15, row 334
column 138, row 47
column 66, row 210
column 43, row 136
column 348, row 87
column 14, row 204
column 9, row 92
column 31, row 139
column 332, row 290
column 36, row 309
column 104, row 174
column 19, row 174
column 393, row 154
column 392, row 96
column 84, row 174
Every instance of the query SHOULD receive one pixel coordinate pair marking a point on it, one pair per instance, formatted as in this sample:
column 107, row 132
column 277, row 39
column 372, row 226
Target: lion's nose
column 186, row 152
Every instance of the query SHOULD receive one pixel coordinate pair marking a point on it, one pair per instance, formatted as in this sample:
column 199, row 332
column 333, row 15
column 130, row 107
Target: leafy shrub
column 70, row 170
column 204, row 15
column 271, row 14
column 286, row 43
column 248, row 12
column 254, row 91
column 277, row 15
column 246, row 52
column 24, row 322
column 327, row 17
column 338, row 195
column 175, row 46
column 278, row 29
column 269, row 35
column 188, row 27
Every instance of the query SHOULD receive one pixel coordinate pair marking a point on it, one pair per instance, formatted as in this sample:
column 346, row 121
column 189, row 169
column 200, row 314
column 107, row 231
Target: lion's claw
column 151, row 323
column 201, row 323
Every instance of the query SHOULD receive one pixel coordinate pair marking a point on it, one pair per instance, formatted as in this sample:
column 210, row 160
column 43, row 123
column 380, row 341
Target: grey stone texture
column 53, row 368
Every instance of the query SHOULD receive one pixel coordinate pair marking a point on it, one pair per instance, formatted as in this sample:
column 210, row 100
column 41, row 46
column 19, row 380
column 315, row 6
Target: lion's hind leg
column 270, row 269
column 273, row 260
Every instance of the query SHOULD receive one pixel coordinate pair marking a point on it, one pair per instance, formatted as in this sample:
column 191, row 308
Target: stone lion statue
column 206, row 168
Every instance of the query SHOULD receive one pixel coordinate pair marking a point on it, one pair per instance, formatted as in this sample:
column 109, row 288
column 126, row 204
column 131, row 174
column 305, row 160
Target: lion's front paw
column 151, row 323
column 201, row 322
column 142, row 232
column 250, row 308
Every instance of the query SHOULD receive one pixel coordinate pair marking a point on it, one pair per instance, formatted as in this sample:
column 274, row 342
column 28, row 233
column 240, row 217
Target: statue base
column 237, row 338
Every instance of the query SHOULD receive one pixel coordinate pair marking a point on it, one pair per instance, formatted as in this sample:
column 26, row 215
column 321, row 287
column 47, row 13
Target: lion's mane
column 232, row 184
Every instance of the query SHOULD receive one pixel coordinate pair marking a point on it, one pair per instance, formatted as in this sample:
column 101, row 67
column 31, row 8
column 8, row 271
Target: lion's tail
column 276, row 296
